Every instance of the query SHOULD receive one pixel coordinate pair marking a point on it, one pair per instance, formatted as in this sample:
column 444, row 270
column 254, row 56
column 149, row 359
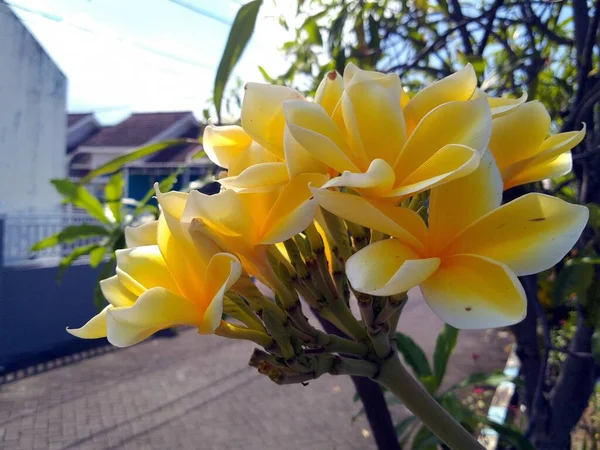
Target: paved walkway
column 197, row 392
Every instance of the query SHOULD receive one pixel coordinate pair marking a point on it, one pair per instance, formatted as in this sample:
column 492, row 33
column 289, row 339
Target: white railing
column 23, row 229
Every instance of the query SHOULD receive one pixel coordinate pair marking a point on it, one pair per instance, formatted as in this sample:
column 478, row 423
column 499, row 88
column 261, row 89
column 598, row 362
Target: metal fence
column 22, row 230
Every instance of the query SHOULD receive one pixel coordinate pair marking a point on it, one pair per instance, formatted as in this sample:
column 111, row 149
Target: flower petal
column 223, row 271
column 223, row 145
column 156, row 309
column 292, row 212
column 224, row 212
column 95, row 328
column 517, row 135
column 401, row 223
column 453, row 206
column 354, row 74
column 500, row 105
column 550, row 149
column 259, row 176
column 262, row 114
column 316, row 132
column 298, row 160
column 141, row 235
column 449, row 163
column 255, row 154
column 146, row 266
column 457, row 87
column 529, row 234
column 377, row 180
column 388, row 267
column 116, row 293
column 329, row 92
column 466, row 123
column 373, row 118
column 555, row 168
column 472, row 292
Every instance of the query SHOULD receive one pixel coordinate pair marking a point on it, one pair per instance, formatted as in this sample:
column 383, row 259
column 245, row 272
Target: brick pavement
column 197, row 392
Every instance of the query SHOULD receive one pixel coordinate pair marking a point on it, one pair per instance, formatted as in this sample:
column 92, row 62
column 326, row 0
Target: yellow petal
column 377, row 180
column 262, row 114
column 518, row 134
column 457, row 87
column 255, row 154
column 401, row 223
column 223, row 271
column 156, row 309
column 500, row 106
column 465, row 123
column 529, row 234
column 454, row 206
column 353, row 74
column 224, row 212
column 471, row 292
column 555, row 168
column 388, row 267
column 293, row 210
column 449, row 163
column 146, row 266
column 298, row 160
column 550, row 149
column 373, row 117
column 259, row 176
column 141, row 235
column 116, row 293
column 316, row 132
column 329, row 92
column 95, row 328
column 223, row 145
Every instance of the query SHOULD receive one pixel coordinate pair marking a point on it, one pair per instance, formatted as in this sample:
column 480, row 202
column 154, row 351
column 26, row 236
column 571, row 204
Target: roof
column 136, row 130
column 72, row 119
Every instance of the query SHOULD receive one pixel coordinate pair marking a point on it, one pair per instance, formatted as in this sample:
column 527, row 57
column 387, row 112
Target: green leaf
column 266, row 76
column 453, row 405
column 402, row 427
column 239, row 35
column 575, row 277
column 96, row 256
column 492, row 379
column 117, row 163
column 80, row 197
column 72, row 257
column 425, row 440
column 113, row 192
column 413, row 355
column 70, row 234
column 166, row 184
column 314, row 34
column 507, row 433
column 444, row 347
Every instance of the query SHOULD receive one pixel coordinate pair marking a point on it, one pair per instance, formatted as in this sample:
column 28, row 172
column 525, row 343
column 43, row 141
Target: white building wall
column 32, row 119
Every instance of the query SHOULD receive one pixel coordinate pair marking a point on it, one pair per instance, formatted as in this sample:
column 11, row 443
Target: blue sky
column 147, row 55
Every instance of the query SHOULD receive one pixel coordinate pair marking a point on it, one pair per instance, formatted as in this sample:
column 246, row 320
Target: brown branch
column 458, row 16
column 488, row 29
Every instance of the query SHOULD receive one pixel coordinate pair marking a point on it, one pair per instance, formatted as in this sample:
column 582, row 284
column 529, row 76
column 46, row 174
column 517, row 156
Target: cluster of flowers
column 415, row 182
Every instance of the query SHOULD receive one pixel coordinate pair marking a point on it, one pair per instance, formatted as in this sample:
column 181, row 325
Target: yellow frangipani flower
column 163, row 280
column 522, row 149
column 245, row 223
column 384, row 150
column 468, row 261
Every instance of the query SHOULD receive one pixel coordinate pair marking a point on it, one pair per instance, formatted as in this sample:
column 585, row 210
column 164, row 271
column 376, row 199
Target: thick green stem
column 401, row 383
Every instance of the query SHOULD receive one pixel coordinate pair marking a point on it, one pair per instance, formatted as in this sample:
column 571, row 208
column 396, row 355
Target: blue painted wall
column 35, row 310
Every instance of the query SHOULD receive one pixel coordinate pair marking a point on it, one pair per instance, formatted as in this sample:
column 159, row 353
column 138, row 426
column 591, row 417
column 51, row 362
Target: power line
column 201, row 11
column 140, row 45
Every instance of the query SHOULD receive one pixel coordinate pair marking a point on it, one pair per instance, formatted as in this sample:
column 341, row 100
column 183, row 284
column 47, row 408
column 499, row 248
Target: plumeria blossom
column 383, row 149
column 467, row 261
column 522, row 149
column 163, row 280
column 245, row 223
